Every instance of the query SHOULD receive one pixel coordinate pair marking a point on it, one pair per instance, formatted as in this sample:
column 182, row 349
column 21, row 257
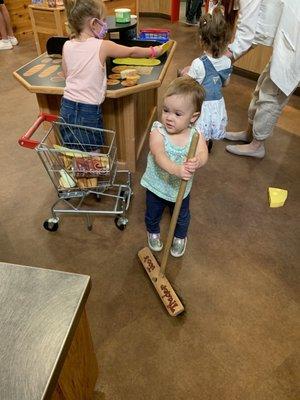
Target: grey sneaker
column 154, row 241
column 178, row 247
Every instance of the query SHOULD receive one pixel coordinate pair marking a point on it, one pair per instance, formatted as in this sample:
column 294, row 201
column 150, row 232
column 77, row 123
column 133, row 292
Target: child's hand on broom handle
column 192, row 164
column 183, row 173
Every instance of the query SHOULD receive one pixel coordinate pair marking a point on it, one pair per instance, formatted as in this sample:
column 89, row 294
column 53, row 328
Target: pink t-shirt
column 86, row 76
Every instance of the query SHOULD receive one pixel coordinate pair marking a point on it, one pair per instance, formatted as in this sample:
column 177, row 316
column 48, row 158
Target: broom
column 155, row 271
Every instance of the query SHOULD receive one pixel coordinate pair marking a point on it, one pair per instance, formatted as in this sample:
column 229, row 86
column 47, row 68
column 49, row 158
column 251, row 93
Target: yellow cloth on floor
column 277, row 197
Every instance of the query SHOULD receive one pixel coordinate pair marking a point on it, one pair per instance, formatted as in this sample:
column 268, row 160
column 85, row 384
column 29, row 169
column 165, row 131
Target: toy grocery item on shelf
column 160, row 35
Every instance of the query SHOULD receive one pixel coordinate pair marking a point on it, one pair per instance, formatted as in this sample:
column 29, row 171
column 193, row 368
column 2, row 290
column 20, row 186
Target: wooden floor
column 239, row 278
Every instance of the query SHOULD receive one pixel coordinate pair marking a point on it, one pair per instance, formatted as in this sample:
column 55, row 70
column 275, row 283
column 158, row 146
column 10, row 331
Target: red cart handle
column 26, row 140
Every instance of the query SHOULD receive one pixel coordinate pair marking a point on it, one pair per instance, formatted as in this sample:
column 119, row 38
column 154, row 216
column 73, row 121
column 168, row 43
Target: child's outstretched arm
column 200, row 158
column 111, row 49
column 157, row 149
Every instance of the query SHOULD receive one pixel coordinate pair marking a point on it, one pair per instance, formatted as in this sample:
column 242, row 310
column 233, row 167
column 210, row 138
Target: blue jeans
column 154, row 210
column 89, row 115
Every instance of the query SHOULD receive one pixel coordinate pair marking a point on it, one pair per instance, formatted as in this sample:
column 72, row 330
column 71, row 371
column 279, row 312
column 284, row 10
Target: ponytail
column 78, row 11
column 215, row 32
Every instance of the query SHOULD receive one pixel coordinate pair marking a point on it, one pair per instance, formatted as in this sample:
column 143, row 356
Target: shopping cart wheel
column 121, row 223
column 50, row 225
column 125, row 193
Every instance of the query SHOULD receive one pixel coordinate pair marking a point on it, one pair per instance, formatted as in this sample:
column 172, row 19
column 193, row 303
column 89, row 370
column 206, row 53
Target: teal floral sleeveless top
column 156, row 179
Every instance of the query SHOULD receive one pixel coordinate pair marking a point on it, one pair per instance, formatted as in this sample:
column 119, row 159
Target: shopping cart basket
column 81, row 163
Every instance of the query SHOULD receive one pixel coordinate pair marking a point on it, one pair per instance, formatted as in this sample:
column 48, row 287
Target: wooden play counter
column 128, row 111
column 46, row 349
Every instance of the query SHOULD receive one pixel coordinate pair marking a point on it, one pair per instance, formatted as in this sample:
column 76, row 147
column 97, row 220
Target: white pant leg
column 266, row 105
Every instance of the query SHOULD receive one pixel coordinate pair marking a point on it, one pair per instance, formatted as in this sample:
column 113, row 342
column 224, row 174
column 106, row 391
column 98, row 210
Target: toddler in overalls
column 212, row 70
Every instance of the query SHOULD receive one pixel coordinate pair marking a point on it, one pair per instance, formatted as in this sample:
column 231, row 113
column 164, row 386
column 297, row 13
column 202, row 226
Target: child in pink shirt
column 84, row 66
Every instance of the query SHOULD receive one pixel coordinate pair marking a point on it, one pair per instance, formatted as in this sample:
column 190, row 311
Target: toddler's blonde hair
column 79, row 11
column 189, row 87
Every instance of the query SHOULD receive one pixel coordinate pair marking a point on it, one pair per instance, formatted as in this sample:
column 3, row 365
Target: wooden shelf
column 46, row 22
column 161, row 8
column 255, row 60
column 18, row 11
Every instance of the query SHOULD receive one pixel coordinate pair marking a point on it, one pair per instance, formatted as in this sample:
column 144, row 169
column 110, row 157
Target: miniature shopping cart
column 81, row 163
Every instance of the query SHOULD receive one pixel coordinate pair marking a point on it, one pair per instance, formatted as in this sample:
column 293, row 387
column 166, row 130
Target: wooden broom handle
column 181, row 191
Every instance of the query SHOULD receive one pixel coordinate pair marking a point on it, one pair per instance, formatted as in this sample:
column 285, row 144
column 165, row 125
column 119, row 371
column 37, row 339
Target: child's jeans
column 155, row 207
column 89, row 115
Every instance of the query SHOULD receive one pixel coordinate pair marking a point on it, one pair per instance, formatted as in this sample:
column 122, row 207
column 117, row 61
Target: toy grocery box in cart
column 84, row 174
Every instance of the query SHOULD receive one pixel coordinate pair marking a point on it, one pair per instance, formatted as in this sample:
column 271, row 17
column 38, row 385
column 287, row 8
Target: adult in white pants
column 273, row 23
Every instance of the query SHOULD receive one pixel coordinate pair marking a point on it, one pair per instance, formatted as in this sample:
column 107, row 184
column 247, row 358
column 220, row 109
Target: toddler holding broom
column 166, row 164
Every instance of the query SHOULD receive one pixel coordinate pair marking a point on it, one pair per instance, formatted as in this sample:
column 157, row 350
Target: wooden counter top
column 46, row 85
column 40, row 309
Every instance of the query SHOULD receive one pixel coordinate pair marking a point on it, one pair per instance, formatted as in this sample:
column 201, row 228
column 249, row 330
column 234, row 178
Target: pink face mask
column 100, row 34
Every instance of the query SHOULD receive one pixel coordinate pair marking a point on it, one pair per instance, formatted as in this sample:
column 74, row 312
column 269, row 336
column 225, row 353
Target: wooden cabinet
column 255, row 60
column 156, row 6
column 46, row 21
column 112, row 4
column 22, row 25
column 46, row 345
column 161, row 8
column 18, row 11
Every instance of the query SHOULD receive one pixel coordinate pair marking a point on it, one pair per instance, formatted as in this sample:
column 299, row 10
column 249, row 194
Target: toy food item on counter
column 129, row 82
column 122, row 15
column 132, row 79
column 57, row 79
column 137, row 61
column 128, row 72
column 34, row 70
column 143, row 70
column 120, row 68
column 126, row 83
column 114, row 76
column 46, row 60
column 48, row 71
column 112, row 82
